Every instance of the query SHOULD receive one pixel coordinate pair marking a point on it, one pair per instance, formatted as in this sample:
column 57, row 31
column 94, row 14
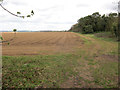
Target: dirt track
column 36, row 43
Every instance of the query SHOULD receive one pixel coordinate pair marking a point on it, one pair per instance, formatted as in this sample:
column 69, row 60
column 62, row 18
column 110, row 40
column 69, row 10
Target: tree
column 97, row 23
column 118, row 20
column 88, row 29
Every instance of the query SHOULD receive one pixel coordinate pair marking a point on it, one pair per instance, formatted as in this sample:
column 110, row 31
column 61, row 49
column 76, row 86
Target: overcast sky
column 51, row 14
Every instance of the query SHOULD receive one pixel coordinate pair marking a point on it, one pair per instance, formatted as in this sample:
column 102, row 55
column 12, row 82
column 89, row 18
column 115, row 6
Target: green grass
column 84, row 39
column 51, row 71
column 103, row 74
column 106, row 36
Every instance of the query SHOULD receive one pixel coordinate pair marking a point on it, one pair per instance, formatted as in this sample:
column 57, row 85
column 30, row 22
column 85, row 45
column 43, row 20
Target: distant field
column 59, row 60
column 37, row 43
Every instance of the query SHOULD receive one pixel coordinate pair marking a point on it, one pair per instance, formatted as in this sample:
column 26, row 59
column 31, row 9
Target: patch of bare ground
column 79, row 82
column 84, row 79
column 70, row 83
column 113, row 58
column 36, row 43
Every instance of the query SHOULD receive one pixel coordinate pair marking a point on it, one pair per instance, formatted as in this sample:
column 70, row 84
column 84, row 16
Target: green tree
column 97, row 23
column 87, row 29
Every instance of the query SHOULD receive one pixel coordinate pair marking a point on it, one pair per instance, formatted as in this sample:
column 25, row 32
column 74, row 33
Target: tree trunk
column 119, row 26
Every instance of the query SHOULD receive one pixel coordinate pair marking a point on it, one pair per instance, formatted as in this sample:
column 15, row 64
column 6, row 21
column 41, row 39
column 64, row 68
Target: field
column 40, row 43
column 59, row 60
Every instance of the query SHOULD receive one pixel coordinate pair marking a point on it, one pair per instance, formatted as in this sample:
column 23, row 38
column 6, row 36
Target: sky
column 51, row 14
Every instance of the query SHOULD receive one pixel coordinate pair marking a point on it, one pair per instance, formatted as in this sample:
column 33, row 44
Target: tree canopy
column 97, row 23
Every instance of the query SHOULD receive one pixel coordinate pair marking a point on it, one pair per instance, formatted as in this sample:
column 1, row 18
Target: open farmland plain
column 58, row 60
column 37, row 43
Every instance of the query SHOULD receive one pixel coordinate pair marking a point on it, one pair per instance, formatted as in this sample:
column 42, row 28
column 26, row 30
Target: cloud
column 18, row 3
column 49, row 8
column 14, row 2
column 111, row 6
column 59, row 22
column 82, row 5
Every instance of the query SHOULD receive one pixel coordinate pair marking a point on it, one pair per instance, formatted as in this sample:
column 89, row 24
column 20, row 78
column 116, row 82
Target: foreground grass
column 47, row 71
column 93, row 65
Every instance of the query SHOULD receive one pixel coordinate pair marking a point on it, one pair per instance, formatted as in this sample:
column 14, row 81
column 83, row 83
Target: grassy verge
column 106, row 36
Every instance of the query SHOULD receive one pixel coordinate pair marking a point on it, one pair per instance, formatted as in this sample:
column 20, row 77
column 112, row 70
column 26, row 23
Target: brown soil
column 36, row 43
column 113, row 58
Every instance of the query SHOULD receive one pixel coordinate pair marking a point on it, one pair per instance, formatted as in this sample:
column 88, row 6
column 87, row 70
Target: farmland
column 59, row 60
column 32, row 43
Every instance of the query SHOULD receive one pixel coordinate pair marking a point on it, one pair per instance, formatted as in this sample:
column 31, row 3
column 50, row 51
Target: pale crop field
column 37, row 43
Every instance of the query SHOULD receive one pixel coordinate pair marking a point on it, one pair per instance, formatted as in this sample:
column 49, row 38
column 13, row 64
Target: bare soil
column 36, row 43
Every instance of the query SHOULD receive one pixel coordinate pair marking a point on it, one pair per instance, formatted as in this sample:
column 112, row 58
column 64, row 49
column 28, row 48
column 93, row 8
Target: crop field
column 37, row 43
column 58, row 60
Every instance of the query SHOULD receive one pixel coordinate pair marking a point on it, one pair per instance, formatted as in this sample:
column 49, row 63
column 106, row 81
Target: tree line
column 97, row 23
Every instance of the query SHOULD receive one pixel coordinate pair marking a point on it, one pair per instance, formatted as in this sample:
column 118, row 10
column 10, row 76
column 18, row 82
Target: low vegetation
column 93, row 65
